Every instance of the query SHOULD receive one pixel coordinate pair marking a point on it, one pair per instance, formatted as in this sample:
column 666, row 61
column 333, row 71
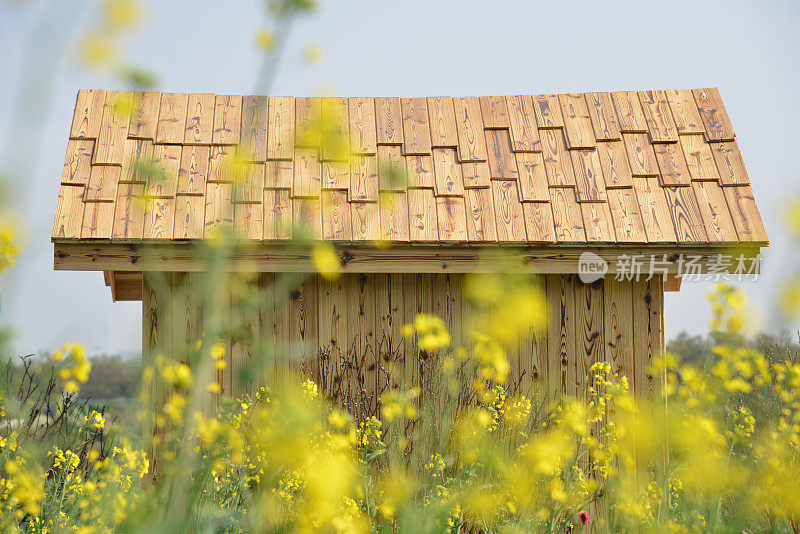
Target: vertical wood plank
column 227, row 119
column 522, row 119
column 280, row 123
column 416, row 129
column 469, row 124
column 88, row 114
column 577, row 122
column 442, row 117
column 255, row 116
column 172, row 118
column 199, row 119
column 363, row 132
column 389, row 121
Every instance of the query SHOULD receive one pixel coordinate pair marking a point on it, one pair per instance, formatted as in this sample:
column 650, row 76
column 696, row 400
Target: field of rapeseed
column 716, row 449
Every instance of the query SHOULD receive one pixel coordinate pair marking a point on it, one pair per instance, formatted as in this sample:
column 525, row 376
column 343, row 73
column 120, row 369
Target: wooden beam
column 125, row 285
column 79, row 256
column 672, row 282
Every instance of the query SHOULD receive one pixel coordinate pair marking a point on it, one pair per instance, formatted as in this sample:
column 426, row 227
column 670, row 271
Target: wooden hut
column 649, row 174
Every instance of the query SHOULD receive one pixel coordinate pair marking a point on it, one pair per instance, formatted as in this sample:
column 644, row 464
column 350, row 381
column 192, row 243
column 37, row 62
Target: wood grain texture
column 618, row 326
column 306, row 218
column 98, row 220
column 442, row 119
column 699, row 158
column 561, row 334
column 88, row 114
column 567, row 218
column 729, row 163
column 308, row 122
column 590, row 186
column 280, row 124
column 365, row 220
column 109, row 148
column 279, row 174
column 164, row 181
column 336, row 216
column 102, row 184
column 469, row 125
column 744, row 212
column 335, row 130
column 522, row 120
column 548, row 111
column 685, row 214
column 422, row 217
column 614, row 163
column 249, row 188
column 476, row 174
column 672, row 164
column 363, row 179
column 193, row 171
column 539, row 222
column 394, row 216
column 502, row 163
column 219, row 208
column 589, row 329
column 389, row 120
column 648, row 332
column 77, row 162
column 714, row 212
column 227, row 119
column 363, row 132
column 557, row 161
column 189, row 217
column 452, row 219
column 172, row 118
column 159, row 218
column 715, row 118
column 277, row 214
column 448, row 180
column 144, row 118
column 307, row 173
column 69, row 212
column 416, row 129
column 629, row 112
column 654, row 210
column 137, row 161
column 221, row 164
column 658, row 116
column 199, row 119
column 532, row 177
column 494, row 112
column 684, row 111
column 597, row 222
column 603, row 116
column 641, row 157
column 248, row 220
column 577, row 123
column 129, row 212
column 508, row 211
column 626, row 214
column 480, row 215
column 419, row 170
column 391, row 169
column 335, row 175
column 255, row 120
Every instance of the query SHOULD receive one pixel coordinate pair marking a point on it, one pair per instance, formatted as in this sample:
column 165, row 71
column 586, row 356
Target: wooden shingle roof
column 660, row 167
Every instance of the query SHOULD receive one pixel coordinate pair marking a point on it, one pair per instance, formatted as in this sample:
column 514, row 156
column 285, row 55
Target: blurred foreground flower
column 325, row 261
column 73, row 367
column 8, row 248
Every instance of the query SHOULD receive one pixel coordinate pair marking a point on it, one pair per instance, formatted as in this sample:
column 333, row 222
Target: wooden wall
column 353, row 324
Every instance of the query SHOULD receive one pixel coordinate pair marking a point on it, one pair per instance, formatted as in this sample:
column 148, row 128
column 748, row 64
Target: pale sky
column 412, row 48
